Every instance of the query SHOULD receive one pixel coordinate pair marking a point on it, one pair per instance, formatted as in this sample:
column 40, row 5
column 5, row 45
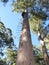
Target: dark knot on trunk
column 24, row 14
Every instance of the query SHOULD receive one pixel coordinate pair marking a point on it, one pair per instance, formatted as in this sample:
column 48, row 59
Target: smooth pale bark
column 44, row 50
column 25, row 52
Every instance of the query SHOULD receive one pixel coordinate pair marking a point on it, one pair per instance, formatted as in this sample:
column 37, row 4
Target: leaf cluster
column 6, row 39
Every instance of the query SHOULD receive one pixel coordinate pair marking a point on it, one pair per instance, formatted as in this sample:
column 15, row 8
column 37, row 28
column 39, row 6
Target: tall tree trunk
column 25, row 52
column 45, row 54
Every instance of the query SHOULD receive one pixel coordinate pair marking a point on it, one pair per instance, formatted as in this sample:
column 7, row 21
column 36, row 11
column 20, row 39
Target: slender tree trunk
column 25, row 52
column 45, row 54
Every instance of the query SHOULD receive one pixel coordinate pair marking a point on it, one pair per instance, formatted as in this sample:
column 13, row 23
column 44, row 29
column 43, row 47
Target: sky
column 12, row 20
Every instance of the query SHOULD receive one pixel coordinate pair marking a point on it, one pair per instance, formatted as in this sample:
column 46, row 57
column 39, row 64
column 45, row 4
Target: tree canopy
column 6, row 39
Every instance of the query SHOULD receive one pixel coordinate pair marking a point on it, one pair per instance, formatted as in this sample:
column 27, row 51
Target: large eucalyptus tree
column 25, row 55
column 35, row 7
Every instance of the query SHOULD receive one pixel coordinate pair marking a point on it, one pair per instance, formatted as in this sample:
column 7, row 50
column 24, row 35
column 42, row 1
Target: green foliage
column 35, row 23
column 21, row 5
column 24, row 4
column 30, row 6
column 39, row 60
column 6, row 38
column 38, row 24
column 5, row 35
column 11, row 56
column 2, row 62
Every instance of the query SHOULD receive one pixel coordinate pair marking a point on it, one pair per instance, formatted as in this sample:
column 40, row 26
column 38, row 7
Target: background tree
column 38, row 26
column 6, row 39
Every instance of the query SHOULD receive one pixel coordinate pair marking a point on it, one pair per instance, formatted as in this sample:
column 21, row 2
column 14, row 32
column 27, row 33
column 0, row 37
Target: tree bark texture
column 25, row 52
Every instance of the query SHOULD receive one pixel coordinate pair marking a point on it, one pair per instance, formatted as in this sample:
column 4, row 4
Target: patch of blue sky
column 12, row 20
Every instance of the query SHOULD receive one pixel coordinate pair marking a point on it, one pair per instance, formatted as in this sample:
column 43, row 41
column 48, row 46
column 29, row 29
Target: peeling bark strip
column 25, row 54
column 46, row 58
